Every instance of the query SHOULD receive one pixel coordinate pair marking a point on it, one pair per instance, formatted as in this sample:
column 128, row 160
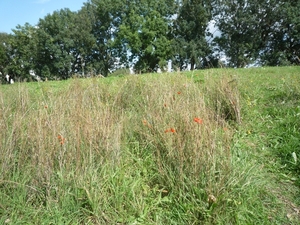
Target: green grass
column 203, row 147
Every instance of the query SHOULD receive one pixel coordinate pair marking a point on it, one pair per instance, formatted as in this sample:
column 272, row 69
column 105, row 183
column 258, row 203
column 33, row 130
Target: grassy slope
column 272, row 107
column 269, row 135
column 118, row 165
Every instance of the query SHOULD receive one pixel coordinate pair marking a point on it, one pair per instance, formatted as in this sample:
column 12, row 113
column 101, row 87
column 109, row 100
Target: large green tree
column 84, row 41
column 22, row 51
column 282, row 34
column 237, row 22
column 77, row 42
column 57, row 53
column 265, row 31
column 105, row 17
column 190, row 31
column 143, row 33
column 67, row 44
column 4, row 52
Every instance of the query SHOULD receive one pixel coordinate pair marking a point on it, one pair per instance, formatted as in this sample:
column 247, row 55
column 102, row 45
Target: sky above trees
column 14, row 12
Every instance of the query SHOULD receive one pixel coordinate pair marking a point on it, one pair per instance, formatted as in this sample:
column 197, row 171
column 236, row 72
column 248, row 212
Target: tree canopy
column 190, row 30
column 105, row 35
column 4, row 47
column 144, row 33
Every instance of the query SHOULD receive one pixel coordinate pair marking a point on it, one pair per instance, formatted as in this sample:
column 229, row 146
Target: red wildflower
column 61, row 139
column 198, row 120
column 172, row 130
column 145, row 122
column 179, row 92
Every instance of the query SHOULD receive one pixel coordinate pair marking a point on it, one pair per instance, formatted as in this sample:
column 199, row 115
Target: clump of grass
column 120, row 72
column 225, row 98
column 175, row 123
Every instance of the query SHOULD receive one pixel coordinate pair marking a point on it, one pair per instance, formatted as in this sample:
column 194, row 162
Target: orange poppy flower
column 198, row 120
column 145, row 122
column 61, row 139
column 171, row 130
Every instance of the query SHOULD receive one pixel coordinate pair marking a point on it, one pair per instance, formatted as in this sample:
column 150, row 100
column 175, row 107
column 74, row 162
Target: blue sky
column 14, row 12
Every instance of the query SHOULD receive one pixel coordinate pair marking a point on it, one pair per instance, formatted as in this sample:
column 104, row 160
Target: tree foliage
column 190, row 31
column 57, row 51
column 258, row 30
column 22, row 51
column 144, row 33
column 237, row 23
column 282, row 44
column 104, row 17
column 105, row 35
column 4, row 52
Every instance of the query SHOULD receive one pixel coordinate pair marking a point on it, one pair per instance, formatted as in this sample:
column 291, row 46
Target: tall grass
column 153, row 149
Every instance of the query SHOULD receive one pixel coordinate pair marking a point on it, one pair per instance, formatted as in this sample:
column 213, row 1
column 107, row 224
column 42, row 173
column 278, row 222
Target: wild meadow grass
column 150, row 149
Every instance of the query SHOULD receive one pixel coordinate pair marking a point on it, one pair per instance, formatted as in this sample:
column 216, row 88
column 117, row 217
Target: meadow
column 218, row 146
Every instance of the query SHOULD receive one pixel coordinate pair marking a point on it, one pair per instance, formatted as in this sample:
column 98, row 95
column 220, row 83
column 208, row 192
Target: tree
column 4, row 52
column 66, row 43
column 22, row 51
column 189, row 32
column 143, row 33
column 84, row 40
column 282, row 37
column 56, row 51
column 237, row 22
column 266, row 31
column 105, row 17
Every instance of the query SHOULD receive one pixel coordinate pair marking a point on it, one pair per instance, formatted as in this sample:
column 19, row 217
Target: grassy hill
column 218, row 146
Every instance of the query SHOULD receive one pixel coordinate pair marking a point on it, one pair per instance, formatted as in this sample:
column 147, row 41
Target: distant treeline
column 105, row 35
